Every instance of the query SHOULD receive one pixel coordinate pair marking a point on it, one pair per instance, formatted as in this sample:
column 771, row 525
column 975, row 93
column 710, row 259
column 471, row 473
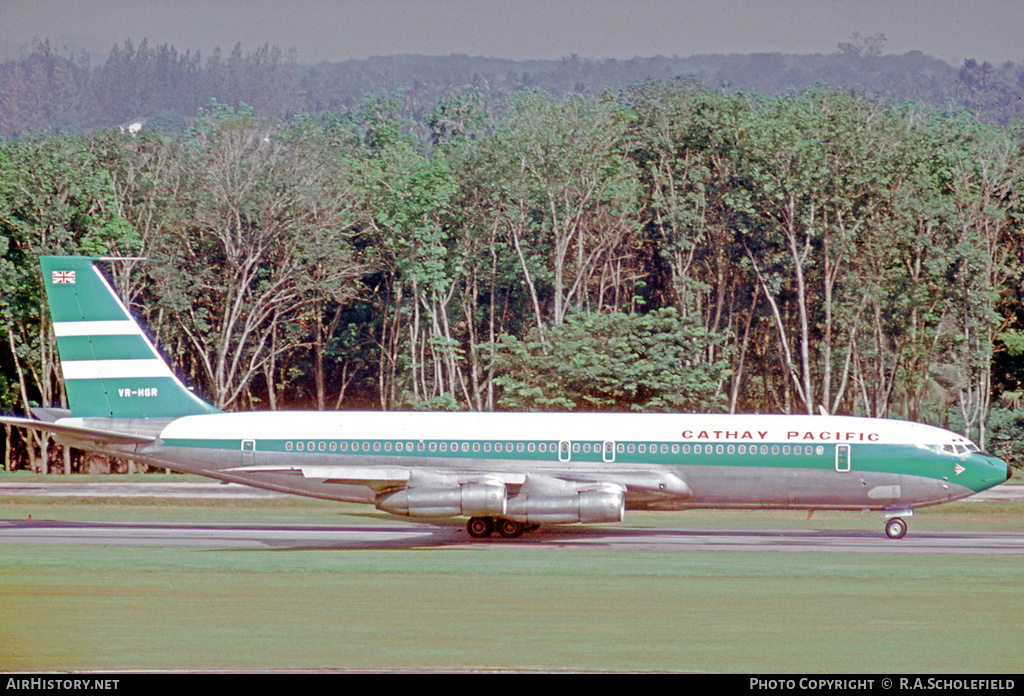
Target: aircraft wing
column 382, row 478
column 80, row 436
column 640, row 486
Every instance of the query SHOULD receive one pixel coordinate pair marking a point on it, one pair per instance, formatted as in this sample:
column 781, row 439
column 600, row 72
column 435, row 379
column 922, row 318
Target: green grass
column 502, row 605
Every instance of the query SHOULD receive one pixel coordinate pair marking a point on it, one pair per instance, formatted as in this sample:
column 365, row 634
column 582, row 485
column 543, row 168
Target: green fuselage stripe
column 896, row 459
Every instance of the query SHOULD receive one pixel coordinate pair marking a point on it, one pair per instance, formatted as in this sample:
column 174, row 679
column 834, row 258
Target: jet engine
column 544, row 501
column 470, row 499
column 586, row 507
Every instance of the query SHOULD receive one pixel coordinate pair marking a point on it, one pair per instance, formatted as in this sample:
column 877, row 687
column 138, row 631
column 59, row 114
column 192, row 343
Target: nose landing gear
column 895, row 527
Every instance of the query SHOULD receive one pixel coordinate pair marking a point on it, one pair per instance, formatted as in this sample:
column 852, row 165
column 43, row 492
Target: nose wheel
column 896, row 528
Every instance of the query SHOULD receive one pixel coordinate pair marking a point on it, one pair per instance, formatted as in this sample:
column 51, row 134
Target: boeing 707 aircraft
column 506, row 472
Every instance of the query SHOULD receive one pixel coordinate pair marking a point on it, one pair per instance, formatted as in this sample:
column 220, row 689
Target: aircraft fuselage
column 663, row 461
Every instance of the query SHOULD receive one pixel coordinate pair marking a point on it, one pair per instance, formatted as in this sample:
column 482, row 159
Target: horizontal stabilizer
column 50, row 415
column 78, row 434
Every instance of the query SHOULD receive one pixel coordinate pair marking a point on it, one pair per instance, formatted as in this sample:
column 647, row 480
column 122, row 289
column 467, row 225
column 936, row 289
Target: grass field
column 496, row 606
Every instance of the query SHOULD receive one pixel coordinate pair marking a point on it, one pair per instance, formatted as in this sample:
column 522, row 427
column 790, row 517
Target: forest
column 49, row 91
column 662, row 247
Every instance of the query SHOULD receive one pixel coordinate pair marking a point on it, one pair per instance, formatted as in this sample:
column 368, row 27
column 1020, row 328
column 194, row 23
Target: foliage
column 1006, row 439
column 663, row 249
column 46, row 91
column 612, row 362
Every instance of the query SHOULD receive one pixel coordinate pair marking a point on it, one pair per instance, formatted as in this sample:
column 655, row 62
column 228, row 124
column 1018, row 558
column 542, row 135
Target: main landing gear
column 895, row 527
column 483, row 527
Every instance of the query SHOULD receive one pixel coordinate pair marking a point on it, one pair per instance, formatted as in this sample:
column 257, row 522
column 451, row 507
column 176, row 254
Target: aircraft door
column 608, row 451
column 842, row 458
column 248, row 452
column 564, row 451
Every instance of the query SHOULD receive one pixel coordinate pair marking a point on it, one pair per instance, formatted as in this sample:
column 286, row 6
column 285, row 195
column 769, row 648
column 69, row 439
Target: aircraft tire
column 510, row 529
column 480, row 527
column 896, row 528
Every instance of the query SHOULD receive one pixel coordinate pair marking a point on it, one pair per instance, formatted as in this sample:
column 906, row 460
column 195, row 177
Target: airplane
column 506, row 472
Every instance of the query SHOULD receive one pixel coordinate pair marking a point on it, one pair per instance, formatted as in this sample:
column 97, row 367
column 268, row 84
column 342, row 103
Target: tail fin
column 111, row 368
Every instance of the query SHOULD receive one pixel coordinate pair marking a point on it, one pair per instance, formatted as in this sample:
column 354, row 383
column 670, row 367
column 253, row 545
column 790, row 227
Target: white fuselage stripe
column 114, row 369
column 95, row 328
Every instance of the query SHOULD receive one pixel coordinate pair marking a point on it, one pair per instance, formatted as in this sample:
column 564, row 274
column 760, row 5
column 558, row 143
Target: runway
column 398, row 533
column 406, row 535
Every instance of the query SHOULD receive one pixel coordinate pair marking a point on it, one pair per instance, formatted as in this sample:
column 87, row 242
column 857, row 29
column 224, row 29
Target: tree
column 231, row 265
column 571, row 195
column 612, row 362
column 55, row 198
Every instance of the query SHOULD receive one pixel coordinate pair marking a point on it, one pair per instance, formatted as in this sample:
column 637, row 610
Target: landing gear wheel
column 510, row 529
column 896, row 528
column 480, row 527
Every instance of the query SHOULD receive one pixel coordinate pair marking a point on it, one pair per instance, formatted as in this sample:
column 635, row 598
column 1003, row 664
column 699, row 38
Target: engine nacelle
column 585, row 506
column 470, row 499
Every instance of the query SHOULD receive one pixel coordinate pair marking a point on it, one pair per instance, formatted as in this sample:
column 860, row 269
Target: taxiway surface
column 398, row 533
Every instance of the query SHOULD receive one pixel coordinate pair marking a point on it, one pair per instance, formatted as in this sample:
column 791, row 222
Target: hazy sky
column 343, row 29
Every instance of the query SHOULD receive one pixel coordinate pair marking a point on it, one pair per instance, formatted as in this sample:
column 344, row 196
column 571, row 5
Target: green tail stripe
column 111, row 368
column 105, row 348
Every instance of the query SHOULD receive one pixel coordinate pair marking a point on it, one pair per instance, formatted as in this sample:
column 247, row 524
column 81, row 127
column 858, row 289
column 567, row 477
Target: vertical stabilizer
column 111, row 369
